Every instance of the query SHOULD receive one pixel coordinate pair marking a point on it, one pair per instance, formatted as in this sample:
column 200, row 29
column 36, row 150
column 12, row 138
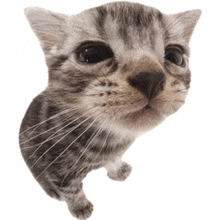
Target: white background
column 176, row 167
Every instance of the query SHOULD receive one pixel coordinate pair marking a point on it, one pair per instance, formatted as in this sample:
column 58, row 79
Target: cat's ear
column 181, row 25
column 49, row 27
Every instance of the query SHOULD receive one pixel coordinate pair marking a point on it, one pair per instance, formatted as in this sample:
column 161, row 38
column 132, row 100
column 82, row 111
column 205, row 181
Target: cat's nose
column 148, row 83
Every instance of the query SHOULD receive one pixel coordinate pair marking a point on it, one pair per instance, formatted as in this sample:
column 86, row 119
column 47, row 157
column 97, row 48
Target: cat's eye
column 174, row 54
column 93, row 53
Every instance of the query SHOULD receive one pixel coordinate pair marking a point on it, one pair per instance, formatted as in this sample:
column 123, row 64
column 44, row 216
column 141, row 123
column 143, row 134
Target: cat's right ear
column 50, row 27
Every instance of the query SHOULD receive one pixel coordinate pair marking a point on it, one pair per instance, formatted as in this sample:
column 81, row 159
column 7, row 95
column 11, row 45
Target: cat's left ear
column 50, row 27
column 180, row 26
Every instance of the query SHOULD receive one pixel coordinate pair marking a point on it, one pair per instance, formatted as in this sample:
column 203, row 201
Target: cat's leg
column 118, row 170
column 79, row 206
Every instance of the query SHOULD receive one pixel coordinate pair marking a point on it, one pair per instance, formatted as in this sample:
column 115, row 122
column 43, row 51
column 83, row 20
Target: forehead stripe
column 100, row 20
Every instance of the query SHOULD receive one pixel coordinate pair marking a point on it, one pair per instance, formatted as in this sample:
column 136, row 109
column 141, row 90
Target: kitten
column 115, row 71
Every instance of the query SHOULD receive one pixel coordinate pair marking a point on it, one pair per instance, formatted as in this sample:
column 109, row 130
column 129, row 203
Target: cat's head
column 125, row 61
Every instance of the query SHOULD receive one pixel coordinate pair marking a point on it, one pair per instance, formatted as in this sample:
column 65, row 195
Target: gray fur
column 89, row 115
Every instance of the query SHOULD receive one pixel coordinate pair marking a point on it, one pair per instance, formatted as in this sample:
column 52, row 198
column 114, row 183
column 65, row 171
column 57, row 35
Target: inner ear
column 50, row 27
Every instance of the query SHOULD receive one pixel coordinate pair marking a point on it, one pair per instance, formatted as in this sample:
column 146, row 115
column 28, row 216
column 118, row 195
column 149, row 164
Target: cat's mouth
column 141, row 110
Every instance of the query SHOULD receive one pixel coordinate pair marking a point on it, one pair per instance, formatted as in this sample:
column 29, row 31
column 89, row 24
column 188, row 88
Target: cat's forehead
column 123, row 25
column 128, row 13
column 131, row 14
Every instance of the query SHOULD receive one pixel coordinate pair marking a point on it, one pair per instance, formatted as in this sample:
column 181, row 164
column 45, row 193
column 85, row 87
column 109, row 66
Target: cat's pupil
column 174, row 55
column 92, row 54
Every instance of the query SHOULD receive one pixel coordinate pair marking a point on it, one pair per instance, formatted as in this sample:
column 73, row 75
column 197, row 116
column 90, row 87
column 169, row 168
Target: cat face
column 127, row 62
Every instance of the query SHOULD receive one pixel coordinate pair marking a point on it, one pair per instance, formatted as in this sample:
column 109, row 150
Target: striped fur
column 89, row 115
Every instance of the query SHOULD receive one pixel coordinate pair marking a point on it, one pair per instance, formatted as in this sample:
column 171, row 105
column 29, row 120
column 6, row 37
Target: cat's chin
column 141, row 120
column 149, row 116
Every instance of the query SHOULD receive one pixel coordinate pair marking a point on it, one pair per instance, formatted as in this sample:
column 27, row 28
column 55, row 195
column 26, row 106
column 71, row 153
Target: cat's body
column 114, row 72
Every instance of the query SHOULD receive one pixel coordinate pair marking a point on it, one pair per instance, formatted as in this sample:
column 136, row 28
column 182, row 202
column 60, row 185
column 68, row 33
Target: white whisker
column 72, row 129
column 96, row 133
column 67, row 147
column 52, row 117
column 53, row 127
column 103, row 144
column 59, row 124
column 69, row 131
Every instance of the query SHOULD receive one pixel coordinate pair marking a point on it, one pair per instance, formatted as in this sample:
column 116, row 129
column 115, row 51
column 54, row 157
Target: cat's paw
column 82, row 212
column 122, row 173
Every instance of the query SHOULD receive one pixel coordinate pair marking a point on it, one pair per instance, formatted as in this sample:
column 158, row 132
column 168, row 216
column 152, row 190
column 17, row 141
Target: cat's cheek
column 172, row 98
column 168, row 104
